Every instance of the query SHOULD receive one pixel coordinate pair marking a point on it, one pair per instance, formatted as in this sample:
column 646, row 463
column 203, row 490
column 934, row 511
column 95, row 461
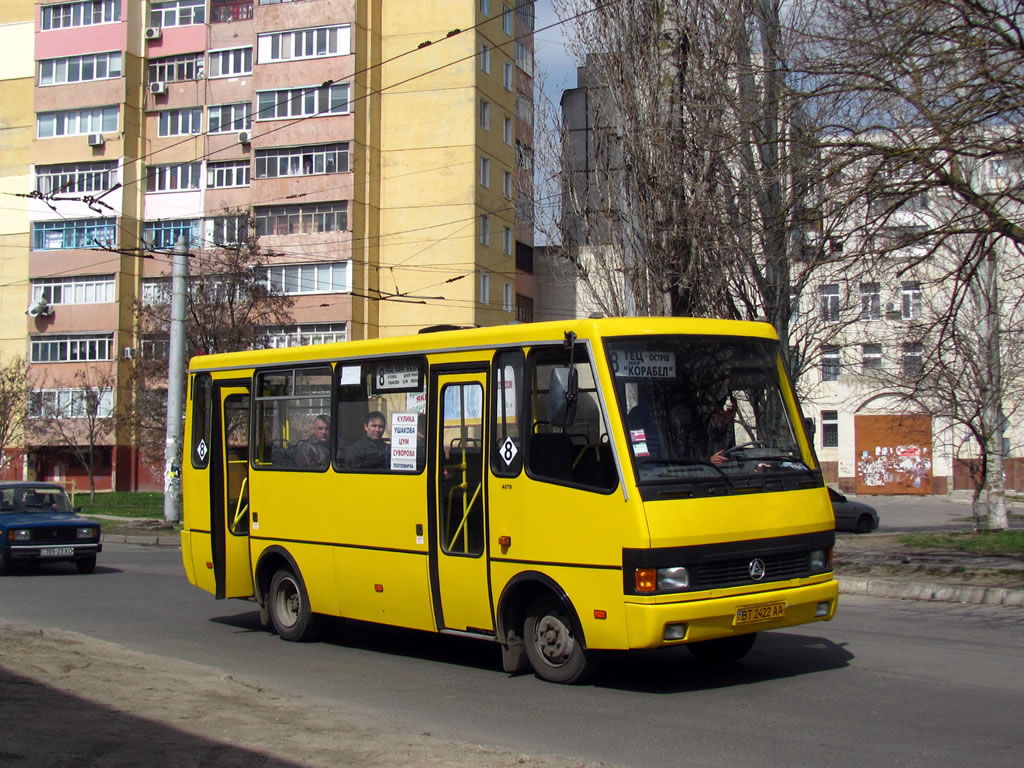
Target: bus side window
column 288, row 405
column 507, row 414
column 579, row 454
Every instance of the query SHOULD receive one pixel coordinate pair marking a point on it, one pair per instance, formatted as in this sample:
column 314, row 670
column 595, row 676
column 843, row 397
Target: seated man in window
column 370, row 451
column 313, row 452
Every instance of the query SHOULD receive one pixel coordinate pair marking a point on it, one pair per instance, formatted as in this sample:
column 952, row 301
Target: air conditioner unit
column 244, row 137
column 40, row 308
column 129, row 353
column 153, row 33
column 157, row 87
column 96, row 140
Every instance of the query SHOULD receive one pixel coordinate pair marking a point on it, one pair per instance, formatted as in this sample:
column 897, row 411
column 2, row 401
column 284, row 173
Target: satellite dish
column 41, row 307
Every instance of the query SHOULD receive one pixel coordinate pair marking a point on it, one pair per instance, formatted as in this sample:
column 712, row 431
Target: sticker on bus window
column 350, row 375
column 404, row 442
column 396, row 378
column 416, row 402
column 639, row 440
column 643, row 364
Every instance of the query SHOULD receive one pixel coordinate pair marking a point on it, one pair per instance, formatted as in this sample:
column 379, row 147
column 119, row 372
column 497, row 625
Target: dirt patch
column 69, row 699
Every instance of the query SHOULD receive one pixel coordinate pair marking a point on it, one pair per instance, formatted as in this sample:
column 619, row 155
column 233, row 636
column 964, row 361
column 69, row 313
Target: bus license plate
column 760, row 613
column 56, row 551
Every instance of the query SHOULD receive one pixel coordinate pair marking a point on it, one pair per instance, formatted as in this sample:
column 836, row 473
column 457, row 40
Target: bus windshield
column 705, row 409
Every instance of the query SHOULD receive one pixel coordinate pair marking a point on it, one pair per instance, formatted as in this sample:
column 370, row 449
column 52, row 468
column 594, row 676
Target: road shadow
column 776, row 655
column 41, row 570
column 47, row 727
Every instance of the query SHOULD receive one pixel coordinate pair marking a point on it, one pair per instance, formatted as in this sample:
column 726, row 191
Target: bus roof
column 483, row 338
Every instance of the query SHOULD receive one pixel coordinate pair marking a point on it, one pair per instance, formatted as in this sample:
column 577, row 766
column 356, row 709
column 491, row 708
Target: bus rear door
column 229, row 491
column 459, row 576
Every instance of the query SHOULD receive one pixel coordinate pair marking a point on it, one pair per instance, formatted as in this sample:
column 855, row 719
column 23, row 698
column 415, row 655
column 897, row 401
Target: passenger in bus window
column 313, row 452
column 370, row 451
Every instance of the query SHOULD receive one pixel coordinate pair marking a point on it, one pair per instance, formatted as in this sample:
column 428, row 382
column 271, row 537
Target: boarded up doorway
column 894, row 454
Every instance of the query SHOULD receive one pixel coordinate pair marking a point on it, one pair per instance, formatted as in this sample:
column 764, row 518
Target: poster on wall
column 894, row 454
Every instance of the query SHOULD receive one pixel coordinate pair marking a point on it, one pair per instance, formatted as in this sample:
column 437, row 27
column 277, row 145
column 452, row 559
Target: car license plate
column 56, row 551
column 760, row 613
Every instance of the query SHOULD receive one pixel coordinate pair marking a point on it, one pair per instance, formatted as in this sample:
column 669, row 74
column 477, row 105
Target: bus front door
column 459, row 549
column 229, row 492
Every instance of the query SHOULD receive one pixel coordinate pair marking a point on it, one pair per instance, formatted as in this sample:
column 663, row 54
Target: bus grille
column 736, row 572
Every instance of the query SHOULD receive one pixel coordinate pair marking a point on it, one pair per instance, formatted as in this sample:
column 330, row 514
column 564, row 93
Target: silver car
column 852, row 515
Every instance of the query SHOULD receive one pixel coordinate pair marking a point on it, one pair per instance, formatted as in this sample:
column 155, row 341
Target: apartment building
column 381, row 149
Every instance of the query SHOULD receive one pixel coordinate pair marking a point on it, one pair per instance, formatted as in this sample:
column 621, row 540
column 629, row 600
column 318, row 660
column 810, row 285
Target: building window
column 830, row 303
column 231, row 62
column 485, row 114
column 485, row 58
column 485, row 7
column 165, row 234
column 794, row 308
column 71, row 403
column 830, row 429
column 524, row 309
column 86, row 289
column 303, row 102
column 225, row 118
column 77, row 122
column 299, row 279
column 830, row 363
column 524, row 109
column 172, row 178
column 506, row 184
column 506, row 131
column 524, row 59
column 485, row 172
column 68, row 348
column 156, row 290
column 177, row 13
column 506, row 240
column 81, row 14
column 80, row 69
column 911, row 300
column 485, row 231
column 228, row 230
column 524, row 156
column 524, row 257
column 304, row 335
column 913, row 359
column 180, row 122
column 314, row 43
column 507, row 297
column 169, row 69
column 72, row 178
column 507, row 75
column 234, row 173
column 302, row 219
column 302, row 161
column 485, row 288
column 870, row 302
column 506, row 20
column 80, row 233
column 871, row 356
column 230, row 10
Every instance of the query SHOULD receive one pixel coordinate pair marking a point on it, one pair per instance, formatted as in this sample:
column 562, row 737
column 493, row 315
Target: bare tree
column 80, row 418
column 13, row 401
column 229, row 306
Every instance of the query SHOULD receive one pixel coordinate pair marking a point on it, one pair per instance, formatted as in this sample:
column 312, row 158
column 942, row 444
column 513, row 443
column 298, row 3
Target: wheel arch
column 517, row 596
column 270, row 561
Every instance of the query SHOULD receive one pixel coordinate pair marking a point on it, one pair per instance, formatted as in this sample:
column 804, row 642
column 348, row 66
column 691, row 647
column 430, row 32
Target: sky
column 549, row 53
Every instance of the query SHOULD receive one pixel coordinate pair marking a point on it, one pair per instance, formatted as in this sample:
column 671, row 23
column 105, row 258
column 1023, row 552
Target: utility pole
column 175, row 383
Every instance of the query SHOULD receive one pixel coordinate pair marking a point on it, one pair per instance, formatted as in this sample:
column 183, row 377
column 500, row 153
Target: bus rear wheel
column 723, row 650
column 554, row 651
column 289, row 608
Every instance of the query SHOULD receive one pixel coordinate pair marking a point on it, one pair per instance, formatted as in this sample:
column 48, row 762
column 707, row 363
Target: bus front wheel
column 289, row 608
column 554, row 651
column 724, row 650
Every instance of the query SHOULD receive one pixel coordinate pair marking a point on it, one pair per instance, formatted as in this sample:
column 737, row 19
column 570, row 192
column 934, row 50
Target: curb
column 919, row 590
column 148, row 541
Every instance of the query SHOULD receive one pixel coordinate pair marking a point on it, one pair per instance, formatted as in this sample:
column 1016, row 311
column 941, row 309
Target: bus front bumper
column 663, row 624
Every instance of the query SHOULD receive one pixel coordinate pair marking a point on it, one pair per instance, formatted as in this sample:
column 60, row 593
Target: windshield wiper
column 687, row 463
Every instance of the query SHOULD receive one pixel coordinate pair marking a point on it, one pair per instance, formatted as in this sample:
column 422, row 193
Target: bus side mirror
column 563, row 389
column 809, row 427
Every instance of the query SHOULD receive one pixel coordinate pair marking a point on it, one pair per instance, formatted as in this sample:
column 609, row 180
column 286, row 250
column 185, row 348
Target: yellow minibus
column 557, row 488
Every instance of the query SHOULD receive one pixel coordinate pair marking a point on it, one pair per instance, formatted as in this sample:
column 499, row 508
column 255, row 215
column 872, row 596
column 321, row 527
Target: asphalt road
column 888, row 682
column 899, row 514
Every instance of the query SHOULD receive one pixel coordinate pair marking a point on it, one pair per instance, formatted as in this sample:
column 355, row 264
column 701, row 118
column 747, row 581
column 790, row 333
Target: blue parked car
column 39, row 525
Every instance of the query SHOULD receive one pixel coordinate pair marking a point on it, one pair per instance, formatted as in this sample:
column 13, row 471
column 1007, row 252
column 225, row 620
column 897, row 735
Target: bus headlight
column 673, row 579
column 821, row 559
